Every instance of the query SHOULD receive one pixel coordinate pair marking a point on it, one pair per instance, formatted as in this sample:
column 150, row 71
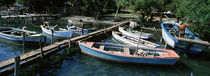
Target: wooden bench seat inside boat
column 101, row 47
column 126, row 51
column 141, row 52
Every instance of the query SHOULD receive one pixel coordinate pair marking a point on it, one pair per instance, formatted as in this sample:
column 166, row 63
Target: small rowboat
column 46, row 28
column 129, row 54
column 170, row 32
column 133, row 41
column 16, row 34
column 134, row 34
column 76, row 30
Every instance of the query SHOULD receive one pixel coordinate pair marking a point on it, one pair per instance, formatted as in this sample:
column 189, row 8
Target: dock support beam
column 17, row 66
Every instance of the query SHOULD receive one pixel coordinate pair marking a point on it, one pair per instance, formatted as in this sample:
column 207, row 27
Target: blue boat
column 129, row 54
column 170, row 32
column 16, row 35
column 62, row 33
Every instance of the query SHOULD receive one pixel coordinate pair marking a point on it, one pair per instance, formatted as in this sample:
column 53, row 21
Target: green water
column 71, row 62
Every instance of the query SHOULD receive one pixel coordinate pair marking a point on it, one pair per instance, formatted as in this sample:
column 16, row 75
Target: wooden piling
column 161, row 40
column 69, row 42
column 17, row 66
column 41, row 49
column 82, row 29
column 32, row 18
column 52, row 35
column 24, row 41
column 165, row 45
column 45, row 40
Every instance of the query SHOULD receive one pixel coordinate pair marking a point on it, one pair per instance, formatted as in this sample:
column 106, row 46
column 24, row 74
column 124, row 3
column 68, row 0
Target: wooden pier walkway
column 31, row 15
column 7, row 66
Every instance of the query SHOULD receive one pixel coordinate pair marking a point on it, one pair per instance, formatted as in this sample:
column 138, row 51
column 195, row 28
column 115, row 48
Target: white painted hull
column 62, row 34
column 133, row 41
column 30, row 38
column 134, row 35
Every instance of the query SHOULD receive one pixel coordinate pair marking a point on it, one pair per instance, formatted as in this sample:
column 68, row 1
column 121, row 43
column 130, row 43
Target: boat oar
column 194, row 41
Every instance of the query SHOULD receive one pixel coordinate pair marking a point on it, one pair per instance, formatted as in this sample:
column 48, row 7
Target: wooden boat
column 129, row 54
column 15, row 34
column 170, row 32
column 46, row 28
column 134, row 34
column 133, row 41
column 76, row 30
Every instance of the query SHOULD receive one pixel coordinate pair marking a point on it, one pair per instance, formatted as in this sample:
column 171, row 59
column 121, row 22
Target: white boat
column 76, row 30
column 171, row 39
column 133, row 41
column 46, row 28
column 134, row 34
column 15, row 34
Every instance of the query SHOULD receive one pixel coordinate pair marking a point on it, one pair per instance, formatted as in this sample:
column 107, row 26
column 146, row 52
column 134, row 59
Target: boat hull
column 87, row 50
column 60, row 34
column 130, row 34
column 30, row 38
column 133, row 43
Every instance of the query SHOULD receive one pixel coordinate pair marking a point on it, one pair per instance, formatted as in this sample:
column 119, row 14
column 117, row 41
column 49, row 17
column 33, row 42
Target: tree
column 145, row 7
column 7, row 2
column 197, row 12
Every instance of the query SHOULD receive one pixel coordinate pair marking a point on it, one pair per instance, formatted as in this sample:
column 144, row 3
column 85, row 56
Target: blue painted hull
column 175, row 43
column 80, row 32
column 20, row 38
column 85, row 49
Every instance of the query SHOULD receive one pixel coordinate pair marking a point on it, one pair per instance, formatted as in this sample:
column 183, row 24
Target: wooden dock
column 31, row 15
column 7, row 66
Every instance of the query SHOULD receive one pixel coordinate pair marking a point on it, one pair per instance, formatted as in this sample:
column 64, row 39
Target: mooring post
column 70, row 42
column 17, row 66
column 52, row 31
column 32, row 18
column 25, row 21
column 165, row 46
column 161, row 39
column 24, row 37
column 19, row 20
column 105, row 30
column 82, row 29
column 41, row 49
column 45, row 40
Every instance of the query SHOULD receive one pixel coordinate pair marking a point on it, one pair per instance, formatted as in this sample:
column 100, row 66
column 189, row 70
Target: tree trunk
column 7, row 6
column 115, row 18
column 161, row 18
column 151, row 17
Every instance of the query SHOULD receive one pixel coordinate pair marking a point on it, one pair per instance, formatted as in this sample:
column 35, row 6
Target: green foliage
column 197, row 11
column 7, row 2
